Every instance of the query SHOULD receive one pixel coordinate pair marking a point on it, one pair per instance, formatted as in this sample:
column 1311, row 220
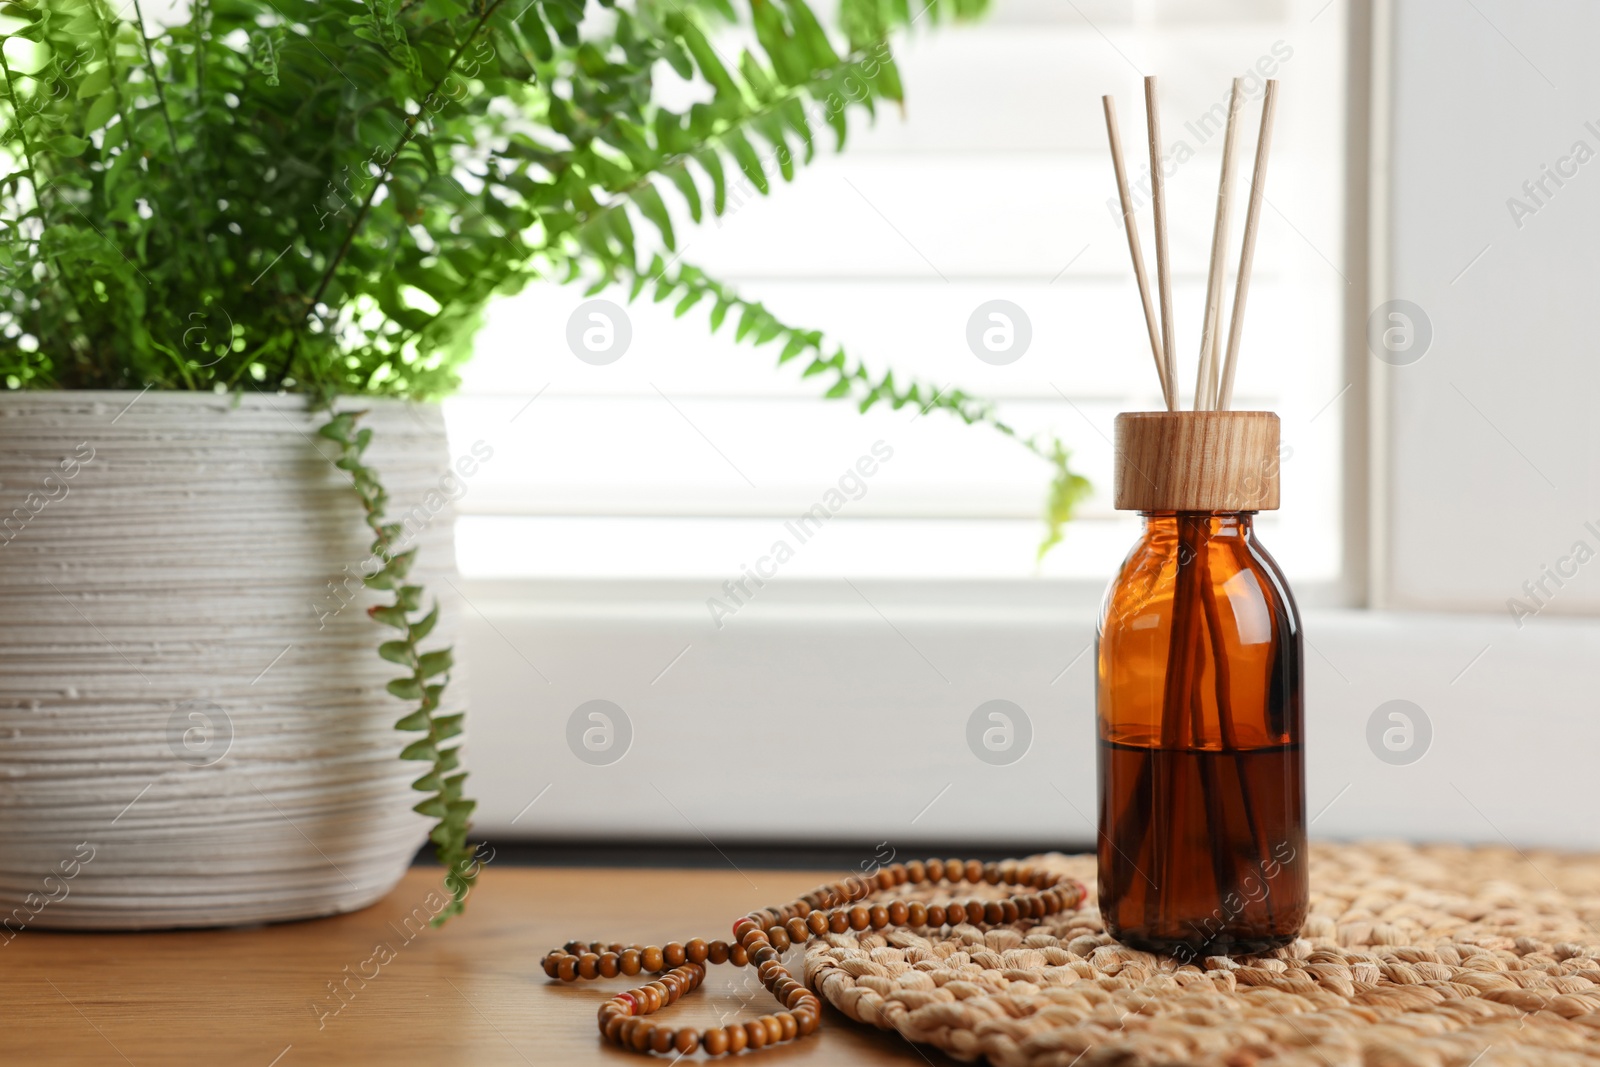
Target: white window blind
column 687, row 456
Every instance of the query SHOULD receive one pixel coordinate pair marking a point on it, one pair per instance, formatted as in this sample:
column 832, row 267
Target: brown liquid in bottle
column 1202, row 831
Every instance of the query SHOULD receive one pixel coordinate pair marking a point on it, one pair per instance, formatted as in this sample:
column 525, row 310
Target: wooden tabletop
column 469, row 993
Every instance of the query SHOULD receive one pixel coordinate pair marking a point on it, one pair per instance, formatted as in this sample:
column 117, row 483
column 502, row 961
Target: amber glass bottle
column 1202, row 846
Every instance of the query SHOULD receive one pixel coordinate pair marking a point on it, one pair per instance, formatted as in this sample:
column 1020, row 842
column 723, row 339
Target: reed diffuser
column 1202, row 829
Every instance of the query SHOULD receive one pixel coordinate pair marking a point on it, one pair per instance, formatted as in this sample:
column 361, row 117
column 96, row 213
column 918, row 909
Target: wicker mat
column 1429, row 956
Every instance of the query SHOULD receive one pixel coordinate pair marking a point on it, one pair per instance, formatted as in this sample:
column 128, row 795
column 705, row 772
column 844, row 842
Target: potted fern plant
column 241, row 254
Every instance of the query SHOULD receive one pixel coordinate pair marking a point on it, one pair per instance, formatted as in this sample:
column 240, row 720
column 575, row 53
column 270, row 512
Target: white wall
column 1493, row 460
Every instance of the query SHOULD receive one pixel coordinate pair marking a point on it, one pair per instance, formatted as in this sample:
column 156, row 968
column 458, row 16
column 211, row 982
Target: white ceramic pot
column 193, row 724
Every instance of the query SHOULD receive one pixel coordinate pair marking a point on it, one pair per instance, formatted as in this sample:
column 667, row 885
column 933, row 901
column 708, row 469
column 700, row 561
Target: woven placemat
column 1436, row 956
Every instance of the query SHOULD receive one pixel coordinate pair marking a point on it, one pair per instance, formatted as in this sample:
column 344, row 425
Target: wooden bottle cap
column 1197, row 461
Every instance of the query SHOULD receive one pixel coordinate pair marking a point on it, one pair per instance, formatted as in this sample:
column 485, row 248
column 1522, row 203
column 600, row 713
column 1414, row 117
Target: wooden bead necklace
column 761, row 937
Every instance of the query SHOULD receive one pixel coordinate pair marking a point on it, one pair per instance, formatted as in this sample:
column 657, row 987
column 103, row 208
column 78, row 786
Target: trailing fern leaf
column 427, row 672
column 850, row 380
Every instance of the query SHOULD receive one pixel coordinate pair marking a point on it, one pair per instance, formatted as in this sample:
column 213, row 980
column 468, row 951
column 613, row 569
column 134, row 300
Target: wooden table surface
column 469, row 993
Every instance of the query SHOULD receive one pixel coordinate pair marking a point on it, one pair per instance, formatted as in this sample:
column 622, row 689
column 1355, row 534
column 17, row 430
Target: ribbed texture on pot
column 183, row 696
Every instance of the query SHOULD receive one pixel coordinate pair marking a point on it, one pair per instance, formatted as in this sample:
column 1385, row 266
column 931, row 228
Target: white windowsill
column 832, row 716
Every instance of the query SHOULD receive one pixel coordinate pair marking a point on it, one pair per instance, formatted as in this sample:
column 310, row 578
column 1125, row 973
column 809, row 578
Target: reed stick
column 1247, row 254
column 1216, row 816
column 1177, row 690
column 1205, row 387
column 1134, row 250
column 1216, row 362
column 1158, row 201
column 1224, row 696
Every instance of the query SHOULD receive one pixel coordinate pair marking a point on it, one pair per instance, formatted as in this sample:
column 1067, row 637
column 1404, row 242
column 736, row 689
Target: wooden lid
column 1197, row 461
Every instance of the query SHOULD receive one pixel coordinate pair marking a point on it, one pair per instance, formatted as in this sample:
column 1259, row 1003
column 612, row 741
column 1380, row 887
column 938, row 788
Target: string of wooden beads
column 761, row 937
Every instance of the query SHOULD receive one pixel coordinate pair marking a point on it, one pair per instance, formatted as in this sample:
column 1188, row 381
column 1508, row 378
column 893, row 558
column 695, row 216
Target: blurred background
column 1427, row 344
